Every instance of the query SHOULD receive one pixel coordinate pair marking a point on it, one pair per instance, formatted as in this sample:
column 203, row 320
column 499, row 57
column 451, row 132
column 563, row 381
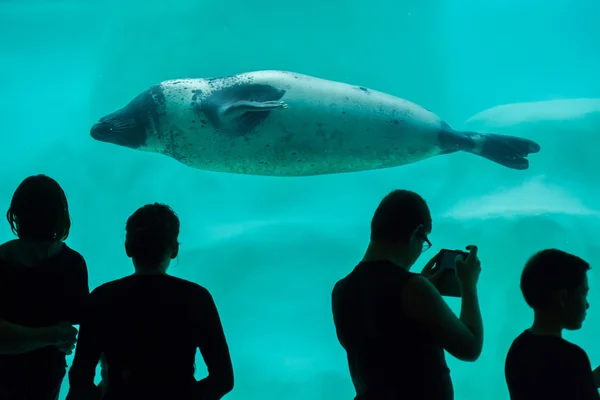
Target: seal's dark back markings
column 151, row 106
column 239, row 109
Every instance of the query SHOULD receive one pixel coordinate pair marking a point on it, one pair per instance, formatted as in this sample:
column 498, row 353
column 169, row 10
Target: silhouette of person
column 540, row 364
column 149, row 325
column 394, row 324
column 43, row 284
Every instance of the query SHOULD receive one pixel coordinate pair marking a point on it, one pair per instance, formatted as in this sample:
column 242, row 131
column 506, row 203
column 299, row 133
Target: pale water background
column 270, row 249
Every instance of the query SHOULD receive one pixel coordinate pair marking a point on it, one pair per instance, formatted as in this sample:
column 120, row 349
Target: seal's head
column 120, row 128
column 131, row 125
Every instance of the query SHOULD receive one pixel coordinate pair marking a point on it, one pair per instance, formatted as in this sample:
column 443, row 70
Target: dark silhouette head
column 130, row 125
column 401, row 223
column 152, row 237
column 554, row 284
column 39, row 210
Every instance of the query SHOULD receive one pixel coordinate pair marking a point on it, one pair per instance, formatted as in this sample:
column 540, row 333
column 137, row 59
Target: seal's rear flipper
column 241, row 108
column 509, row 151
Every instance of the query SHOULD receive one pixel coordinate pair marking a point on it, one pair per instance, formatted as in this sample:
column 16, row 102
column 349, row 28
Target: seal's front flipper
column 239, row 109
column 509, row 151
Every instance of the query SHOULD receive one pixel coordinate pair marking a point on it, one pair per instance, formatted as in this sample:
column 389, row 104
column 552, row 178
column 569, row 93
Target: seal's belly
column 328, row 127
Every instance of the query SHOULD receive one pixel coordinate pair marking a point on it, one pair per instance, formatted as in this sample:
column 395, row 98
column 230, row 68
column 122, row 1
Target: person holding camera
column 394, row 324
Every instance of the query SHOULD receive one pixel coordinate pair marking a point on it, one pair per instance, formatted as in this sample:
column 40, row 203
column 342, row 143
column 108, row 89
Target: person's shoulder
column 190, row 287
column 519, row 343
column 379, row 270
column 415, row 284
column 338, row 293
column 72, row 256
column 523, row 336
column 576, row 351
column 345, row 284
column 106, row 288
column 419, row 298
column 5, row 249
column 528, row 345
column 339, row 285
column 392, row 273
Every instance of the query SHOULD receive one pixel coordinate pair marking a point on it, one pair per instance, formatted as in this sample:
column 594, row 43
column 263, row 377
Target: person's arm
column 569, row 371
column 462, row 338
column 586, row 386
column 18, row 339
column 596, row 374
column 470, row 315
column 215, row 351
column 79, row 290
column 87, row 356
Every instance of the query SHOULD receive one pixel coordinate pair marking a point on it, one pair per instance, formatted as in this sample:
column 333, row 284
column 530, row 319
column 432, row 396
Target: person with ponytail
column 147, row 326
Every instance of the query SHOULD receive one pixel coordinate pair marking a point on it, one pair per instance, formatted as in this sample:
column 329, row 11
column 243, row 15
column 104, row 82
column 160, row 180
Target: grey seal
column 279, row 123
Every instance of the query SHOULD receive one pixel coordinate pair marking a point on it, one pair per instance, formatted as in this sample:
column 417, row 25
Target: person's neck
column 382, row 252
column 158, row 270
column 149, row 272
column 545, row 325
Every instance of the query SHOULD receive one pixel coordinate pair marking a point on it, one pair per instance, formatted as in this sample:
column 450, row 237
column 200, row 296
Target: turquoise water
column 271, row 249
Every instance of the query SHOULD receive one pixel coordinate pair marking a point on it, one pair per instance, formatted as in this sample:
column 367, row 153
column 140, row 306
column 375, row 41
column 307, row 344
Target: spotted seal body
column 279, row 123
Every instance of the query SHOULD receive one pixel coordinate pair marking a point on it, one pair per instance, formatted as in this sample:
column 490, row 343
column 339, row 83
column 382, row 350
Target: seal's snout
column 118, row 129
column 108, row 128
column 100, row 130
